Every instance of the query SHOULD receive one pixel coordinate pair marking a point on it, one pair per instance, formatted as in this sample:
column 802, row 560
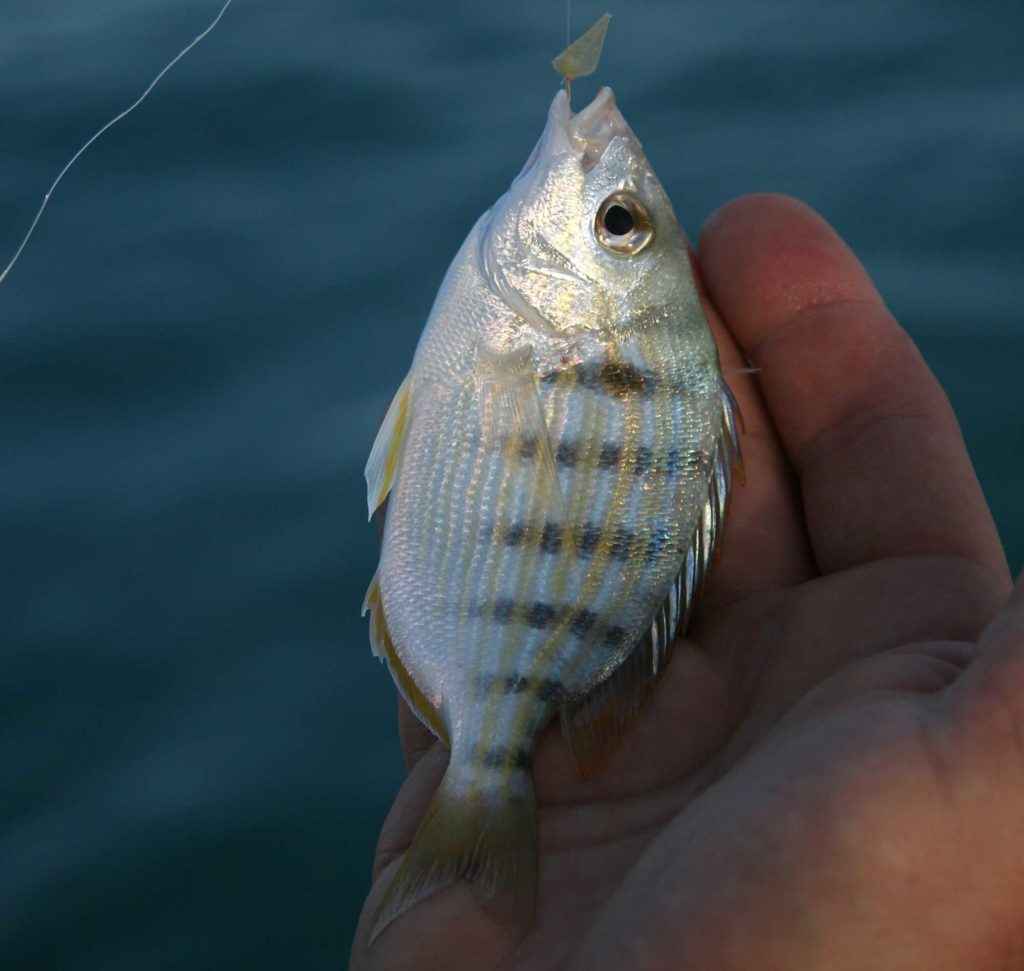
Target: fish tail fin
column 489, row 841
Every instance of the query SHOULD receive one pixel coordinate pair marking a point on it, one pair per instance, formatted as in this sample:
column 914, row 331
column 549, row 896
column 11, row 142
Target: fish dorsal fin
column 384, row 648
column 594, row 726
column 387, row 448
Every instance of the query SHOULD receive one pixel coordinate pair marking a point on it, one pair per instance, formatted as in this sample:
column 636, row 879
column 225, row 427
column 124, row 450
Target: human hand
column 831, row 772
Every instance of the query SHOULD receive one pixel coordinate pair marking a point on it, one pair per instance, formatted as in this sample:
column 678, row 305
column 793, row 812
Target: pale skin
column 831, row 773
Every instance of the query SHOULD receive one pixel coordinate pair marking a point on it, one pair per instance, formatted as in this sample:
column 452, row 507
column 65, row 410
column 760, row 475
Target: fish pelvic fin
column 594, row 725
column 488, row 841
column 382, row 465
column 383, row 647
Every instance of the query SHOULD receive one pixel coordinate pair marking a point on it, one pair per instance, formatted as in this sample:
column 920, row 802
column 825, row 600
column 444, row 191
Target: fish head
column 586, row 239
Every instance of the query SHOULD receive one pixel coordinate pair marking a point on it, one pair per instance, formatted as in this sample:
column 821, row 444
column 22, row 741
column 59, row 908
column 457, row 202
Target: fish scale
column 558, row 462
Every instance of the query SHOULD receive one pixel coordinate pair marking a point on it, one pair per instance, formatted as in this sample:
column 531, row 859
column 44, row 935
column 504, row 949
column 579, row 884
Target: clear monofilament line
column 110, row 124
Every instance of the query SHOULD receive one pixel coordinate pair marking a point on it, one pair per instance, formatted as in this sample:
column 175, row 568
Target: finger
column 882, row 466
column 765, row 541
column 408, row 809
column 989, row 699
column 416, row 739
column 836, row 628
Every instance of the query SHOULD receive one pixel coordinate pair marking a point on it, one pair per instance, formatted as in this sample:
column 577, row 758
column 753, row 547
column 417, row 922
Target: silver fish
column 558, row 462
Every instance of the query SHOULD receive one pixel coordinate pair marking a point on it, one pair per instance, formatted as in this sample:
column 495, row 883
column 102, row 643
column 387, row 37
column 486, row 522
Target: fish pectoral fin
column 512, row 418
column 594, row 725
column 382, row 465
column 507, row 398
column 489, row 842
column 384, row 648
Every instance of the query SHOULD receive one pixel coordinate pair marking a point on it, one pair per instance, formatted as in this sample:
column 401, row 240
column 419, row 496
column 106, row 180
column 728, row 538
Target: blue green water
column 197, row 749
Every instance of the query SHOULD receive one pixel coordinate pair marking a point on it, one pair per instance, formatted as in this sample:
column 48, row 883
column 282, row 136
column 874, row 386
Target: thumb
column 415, row 737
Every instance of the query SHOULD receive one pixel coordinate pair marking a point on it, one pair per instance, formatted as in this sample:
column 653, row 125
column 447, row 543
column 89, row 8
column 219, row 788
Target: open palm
column 831, row 773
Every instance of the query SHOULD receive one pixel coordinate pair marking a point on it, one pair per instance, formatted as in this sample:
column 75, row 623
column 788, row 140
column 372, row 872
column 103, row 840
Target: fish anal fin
column 595, row 726
column 384, row 648
column 489, row 842
column 387, row 448
column 733, row 424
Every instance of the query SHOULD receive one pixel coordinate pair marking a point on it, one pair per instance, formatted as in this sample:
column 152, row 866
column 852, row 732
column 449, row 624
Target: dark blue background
column 196, row 748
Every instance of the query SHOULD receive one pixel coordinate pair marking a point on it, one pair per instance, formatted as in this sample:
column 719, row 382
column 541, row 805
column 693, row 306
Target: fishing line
column 110, row 124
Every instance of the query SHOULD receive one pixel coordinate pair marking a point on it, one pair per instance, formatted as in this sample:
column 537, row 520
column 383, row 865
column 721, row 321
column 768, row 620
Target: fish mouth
column 586, row 134
column 593, row 128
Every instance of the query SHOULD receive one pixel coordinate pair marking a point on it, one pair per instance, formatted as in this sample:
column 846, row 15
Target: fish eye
column 618, row 220
column 622, row 224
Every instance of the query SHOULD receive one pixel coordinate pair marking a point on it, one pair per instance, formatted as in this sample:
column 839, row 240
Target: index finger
column 882, row 466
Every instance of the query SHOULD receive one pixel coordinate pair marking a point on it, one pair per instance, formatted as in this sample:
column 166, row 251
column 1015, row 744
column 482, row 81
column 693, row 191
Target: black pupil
column 618, row 220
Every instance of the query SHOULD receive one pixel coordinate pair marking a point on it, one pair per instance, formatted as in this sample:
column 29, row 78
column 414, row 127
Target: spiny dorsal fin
column 387, row 448
column 595, row 725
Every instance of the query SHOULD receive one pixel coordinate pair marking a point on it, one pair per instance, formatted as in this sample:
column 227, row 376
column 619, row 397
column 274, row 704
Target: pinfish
column 558, row 462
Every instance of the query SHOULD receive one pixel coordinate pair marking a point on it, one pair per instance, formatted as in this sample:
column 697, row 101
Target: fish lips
column 585, row 134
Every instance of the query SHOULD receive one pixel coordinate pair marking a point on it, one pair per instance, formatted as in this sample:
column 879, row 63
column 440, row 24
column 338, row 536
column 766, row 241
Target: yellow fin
column 581, row 57
column 594, row 726
column 383, row 647
column 489, row 842
column 387, row 449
